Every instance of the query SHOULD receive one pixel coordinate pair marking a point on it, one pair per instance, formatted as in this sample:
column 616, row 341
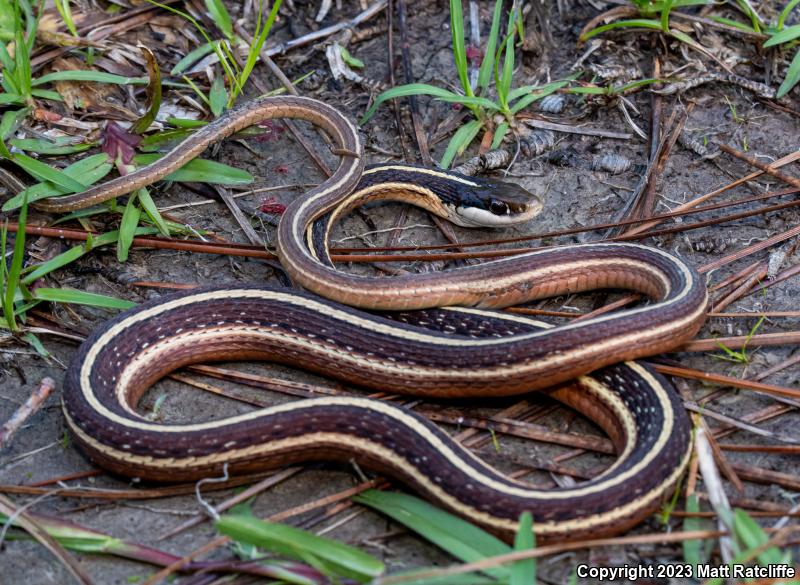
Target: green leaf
column 88, row 75
column 201, row 171
column 14, row 273
column 499, row 133
column 221, row 17
column 406, row 90
column 487, row 65
column 44, row 172
column 752, row 536
column 504, row 85
column 11, row 120
column 22, row 65
column 127, row 227
column 193, row 57
column 152, row 212
column 6, row 99
column 79, row 297
column 792, row 76
column 36, row 343
column 458, row 537
column 785, row 13
column 48, row 147
column 692, row 548
column 65, row 11
column 459, row 50
column 786, row 35
column 633, row 23
column 460, row 141
column 733, row 23
column 218, row 96
column 90, row 169
column 524, row 572
column 261, row 33
column 328, row 555
column 47, row 94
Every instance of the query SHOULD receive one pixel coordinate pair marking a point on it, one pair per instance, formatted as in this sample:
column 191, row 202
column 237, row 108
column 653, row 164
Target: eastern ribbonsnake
column 454, row 347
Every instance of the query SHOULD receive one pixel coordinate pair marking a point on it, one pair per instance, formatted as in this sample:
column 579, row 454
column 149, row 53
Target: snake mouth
column 493, row 203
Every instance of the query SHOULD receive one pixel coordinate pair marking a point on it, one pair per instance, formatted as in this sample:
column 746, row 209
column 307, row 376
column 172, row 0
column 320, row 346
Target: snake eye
column 498, row 207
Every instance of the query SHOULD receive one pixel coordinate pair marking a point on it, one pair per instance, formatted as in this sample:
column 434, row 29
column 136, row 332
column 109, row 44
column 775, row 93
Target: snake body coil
column 443, row 355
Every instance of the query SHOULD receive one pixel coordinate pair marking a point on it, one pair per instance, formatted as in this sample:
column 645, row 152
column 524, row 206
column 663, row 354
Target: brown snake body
column 443, row 353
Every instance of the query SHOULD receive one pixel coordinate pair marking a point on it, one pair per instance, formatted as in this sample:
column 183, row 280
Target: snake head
column 493, row 203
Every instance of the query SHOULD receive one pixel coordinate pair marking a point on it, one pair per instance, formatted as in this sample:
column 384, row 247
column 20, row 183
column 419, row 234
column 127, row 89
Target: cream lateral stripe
column 407, row 421
column 542, row 528
column 422, row 171
column 371, row 447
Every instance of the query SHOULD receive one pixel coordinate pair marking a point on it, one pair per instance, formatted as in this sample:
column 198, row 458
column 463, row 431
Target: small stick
column 32, row 404
column 769, row 169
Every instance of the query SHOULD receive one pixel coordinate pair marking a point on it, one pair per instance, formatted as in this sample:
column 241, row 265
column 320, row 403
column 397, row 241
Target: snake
column 436, row 335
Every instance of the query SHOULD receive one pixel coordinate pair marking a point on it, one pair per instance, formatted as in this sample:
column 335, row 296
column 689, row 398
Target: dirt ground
column 574, row 195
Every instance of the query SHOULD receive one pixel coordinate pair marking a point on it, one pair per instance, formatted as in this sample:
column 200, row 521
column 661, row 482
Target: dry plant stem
column 419, row 132
column 279, row 517
column 398, row 119
column 727, row 380
column 698, row 200
column 738, row 424
column 27, row 523
column 755, row 278
column 32, row 404
column 741, row 341
column 746, row 251
column 736, row 277
column 749, row 448
column 753, row 161
column 768, row 476
column 762, row 415
column 545, row 125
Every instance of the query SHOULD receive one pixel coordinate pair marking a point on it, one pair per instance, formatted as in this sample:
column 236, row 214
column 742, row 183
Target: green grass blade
column 792, row 76
column 221, row 17
column 458, row 537
column 152, row 212
column 785, row 13
column 193, row 57
column 261, row 37
column 460, row 141
column 79, row 297
column 90, row 169
column 127, row 227
column 786, row 35
column 15, row 272
column 524, row 572
column 459, row 50
column 499, row 133
column 411, row 578
column 632, row 23
column 65, row 11
column 200, row 170
column 332, row 557
column 733, row 23
column 7, row 99
column 88, row 75
column 692, row 548
column 504, row 85
column 22, row 65
column 487, row 65
column 752, row 536
column 47, row 147
column 12, row 120
column 43, row 172
column 403, row 91
column 46, row 94
column 665, row 15
column 217, row 96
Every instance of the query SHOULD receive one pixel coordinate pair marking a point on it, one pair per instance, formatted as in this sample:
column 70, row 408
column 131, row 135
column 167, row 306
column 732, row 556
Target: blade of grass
column 487, row 65
column 322, row 553
column 201, row 171
column 460, row 141
column 450, row 533
column 43, row 172
column 13, row 278
column 524, row 572
column 792, row 76
column 127, row 226
column 79, row 297
column 459, row 50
